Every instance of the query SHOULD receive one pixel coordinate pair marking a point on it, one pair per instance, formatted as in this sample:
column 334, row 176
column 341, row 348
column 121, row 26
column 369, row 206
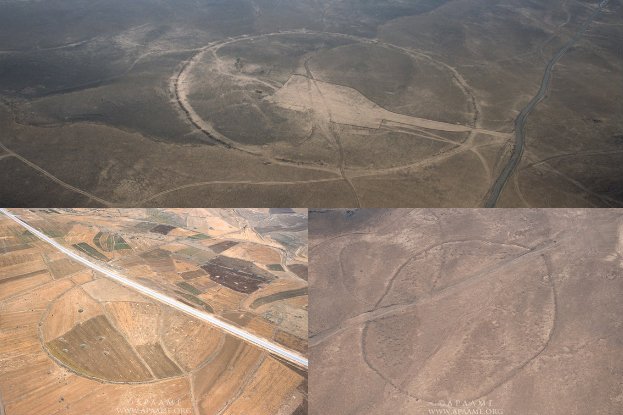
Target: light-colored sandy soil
column 344, row 105
column 433, row 310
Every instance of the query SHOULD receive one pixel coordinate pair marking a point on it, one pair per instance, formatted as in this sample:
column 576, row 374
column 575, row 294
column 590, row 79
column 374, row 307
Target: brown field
column 223, row 271
column 73, row 341
column 241, row 276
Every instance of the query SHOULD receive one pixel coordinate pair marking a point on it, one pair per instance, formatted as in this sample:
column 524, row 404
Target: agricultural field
column 328, row 103
column 433, row 311
column 75, row 341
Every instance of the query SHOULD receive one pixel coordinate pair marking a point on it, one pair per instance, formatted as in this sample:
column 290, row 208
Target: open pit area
column 75, row 341
column 329, row 103
column 440, row 311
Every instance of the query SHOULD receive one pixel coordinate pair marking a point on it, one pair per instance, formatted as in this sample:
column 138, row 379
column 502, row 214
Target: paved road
column 260, row 342
column 522, row 118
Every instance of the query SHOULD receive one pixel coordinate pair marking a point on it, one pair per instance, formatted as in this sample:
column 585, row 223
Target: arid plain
column 466, row 311
column 75, row 341
column 327, row 103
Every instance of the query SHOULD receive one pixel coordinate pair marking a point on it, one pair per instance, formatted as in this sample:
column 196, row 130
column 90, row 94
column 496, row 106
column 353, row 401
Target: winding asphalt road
column 522, row 118
column 260, row 342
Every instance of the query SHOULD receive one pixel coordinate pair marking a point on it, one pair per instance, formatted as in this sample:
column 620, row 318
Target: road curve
column 522, row 118
column 257, row 341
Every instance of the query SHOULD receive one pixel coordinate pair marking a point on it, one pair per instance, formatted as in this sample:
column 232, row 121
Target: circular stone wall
column 303, row 95
column 104, row 331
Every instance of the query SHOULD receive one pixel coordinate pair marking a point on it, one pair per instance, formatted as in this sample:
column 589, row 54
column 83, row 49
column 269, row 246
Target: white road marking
column 257, row 341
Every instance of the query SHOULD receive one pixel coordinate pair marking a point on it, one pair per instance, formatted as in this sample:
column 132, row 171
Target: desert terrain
column 325, row 103
column 76, row 341
column 474, row 311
